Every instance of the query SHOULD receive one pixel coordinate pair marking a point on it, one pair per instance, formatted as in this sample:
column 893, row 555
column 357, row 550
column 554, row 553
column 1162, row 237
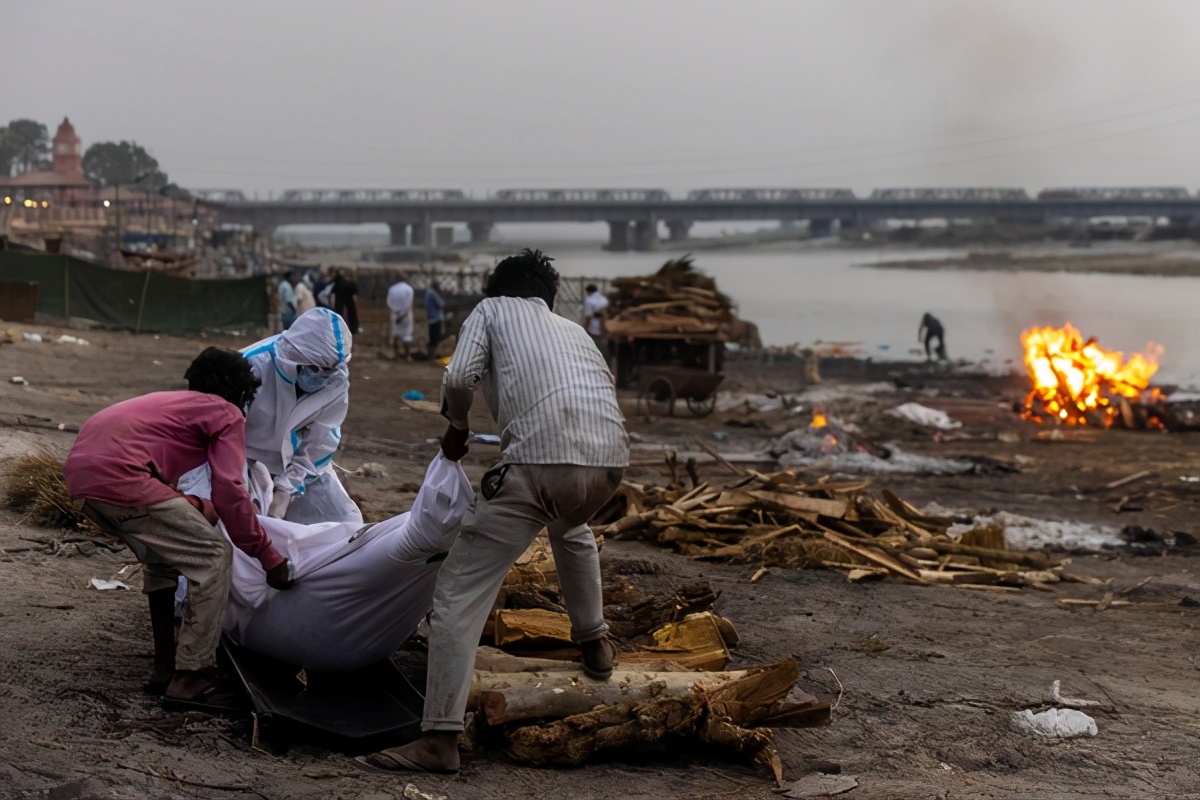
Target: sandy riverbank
column 1173, row 259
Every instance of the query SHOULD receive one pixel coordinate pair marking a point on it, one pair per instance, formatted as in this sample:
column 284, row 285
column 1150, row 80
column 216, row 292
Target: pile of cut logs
column 675, row 300
column 669, row 689
column 782, row 519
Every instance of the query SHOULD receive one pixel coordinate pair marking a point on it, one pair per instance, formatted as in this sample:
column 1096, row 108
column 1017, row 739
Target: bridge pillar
column 618, row 235
column 677, row 230
column 399, row 234
column 818, row 228
column 481, row 232
column 645, row 234
column 422, row 234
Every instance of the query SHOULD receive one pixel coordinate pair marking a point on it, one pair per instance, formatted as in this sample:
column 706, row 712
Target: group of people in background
column 328, row 288
column 336, row 291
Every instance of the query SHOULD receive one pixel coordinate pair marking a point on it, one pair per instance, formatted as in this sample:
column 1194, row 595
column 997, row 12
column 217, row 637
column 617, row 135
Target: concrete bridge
column 635, row 216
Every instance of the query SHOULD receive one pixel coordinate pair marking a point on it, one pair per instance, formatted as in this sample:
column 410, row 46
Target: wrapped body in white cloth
column 360, row 591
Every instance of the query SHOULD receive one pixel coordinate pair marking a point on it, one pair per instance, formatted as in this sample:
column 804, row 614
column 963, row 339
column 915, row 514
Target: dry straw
column 34, row 485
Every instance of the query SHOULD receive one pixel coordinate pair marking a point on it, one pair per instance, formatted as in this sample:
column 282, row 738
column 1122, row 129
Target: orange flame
column 1077, row 381
column 819, row 420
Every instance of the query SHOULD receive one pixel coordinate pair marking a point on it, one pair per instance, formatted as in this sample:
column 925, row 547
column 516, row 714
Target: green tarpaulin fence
column 147, row 301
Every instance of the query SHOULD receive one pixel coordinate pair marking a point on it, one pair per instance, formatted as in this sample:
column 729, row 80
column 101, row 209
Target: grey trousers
column 558, row 497
column 173, row 539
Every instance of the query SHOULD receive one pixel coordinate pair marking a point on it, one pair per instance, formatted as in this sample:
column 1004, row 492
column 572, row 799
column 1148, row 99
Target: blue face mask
column 312, row 380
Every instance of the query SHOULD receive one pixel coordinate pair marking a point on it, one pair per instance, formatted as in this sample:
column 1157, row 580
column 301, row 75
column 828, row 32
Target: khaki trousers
column 560, row 498
column 172, row 539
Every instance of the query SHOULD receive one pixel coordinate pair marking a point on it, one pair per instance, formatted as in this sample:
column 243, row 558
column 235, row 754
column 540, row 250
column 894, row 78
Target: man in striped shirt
column 564, row 450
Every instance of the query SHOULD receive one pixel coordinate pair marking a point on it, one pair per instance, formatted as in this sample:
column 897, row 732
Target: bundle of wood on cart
column 670, row 690
column 678, row 299
column 783, row 519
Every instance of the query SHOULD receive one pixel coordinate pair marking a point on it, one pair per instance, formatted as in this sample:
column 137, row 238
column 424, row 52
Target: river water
column 830, row 294
column 804, row 294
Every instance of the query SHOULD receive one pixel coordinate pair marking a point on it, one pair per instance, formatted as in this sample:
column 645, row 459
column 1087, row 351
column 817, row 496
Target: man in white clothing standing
column 400, row 303
column 563, row 452
column 595, row 308
column 304, row 297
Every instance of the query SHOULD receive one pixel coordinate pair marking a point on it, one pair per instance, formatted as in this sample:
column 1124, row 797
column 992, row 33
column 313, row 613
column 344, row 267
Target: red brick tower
column 68, row 161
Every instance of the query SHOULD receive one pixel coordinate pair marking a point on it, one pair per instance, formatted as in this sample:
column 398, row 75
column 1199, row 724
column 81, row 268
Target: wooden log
column 1027, row 558
column 512, row 697
column 489, row 659
column 718, row 716
column 532, row 627
column 643, row 616
column 695, row 642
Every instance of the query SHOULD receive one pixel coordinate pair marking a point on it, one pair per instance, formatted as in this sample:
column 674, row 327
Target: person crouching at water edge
column 294, row 424
column 125, row 465
column 563, row 452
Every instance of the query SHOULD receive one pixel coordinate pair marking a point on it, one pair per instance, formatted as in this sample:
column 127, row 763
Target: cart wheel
column 702, row 406
column 659, row 397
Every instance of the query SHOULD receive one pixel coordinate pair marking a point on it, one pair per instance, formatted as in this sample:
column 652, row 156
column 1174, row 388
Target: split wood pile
column 782, row 519
column 669, row 690
column 676, row 300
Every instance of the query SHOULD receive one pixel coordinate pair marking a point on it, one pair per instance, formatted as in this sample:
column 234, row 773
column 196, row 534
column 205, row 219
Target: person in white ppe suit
column 293, row 426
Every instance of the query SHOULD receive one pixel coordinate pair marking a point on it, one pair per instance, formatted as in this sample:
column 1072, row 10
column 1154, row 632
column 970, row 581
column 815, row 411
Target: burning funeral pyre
column 1078, row 382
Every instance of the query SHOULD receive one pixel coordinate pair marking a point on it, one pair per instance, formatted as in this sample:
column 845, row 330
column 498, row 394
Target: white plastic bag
column 924, row 415
column 1061, row 723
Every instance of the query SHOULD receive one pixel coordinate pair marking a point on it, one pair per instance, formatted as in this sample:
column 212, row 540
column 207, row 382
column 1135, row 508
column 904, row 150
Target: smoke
column 988, row 58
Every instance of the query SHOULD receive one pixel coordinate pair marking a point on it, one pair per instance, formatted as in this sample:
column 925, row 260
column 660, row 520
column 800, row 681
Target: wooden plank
column 796, row 502
column 720, row 458
column 875, row 556
column 1137, row 476
column 954, row 578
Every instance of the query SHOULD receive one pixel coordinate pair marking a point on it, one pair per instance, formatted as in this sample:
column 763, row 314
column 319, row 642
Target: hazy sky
column 489, row 94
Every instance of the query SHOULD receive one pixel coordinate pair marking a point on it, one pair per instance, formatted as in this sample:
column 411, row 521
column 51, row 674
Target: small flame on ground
column 1074, row 379
column 819, row 420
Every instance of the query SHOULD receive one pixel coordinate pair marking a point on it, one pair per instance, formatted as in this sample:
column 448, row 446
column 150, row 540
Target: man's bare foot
column 436, row 751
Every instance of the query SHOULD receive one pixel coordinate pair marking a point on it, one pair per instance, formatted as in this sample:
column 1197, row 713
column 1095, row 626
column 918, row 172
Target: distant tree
column 110, row 163
column 24, row 146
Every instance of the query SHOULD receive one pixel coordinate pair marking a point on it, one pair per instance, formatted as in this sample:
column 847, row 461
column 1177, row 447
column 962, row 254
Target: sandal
column 218, row 697
column 383, row 761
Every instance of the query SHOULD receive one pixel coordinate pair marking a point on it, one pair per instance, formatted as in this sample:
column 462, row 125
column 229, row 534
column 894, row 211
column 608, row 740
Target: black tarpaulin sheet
column 362, row 710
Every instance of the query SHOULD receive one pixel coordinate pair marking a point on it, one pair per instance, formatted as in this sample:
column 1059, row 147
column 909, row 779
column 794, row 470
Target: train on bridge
column 914, row 194
column 582, row 195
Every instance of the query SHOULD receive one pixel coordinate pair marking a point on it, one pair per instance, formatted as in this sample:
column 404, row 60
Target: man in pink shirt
column 125, row 464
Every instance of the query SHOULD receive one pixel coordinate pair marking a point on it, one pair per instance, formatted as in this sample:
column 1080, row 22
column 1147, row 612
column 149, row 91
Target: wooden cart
column 666, row 369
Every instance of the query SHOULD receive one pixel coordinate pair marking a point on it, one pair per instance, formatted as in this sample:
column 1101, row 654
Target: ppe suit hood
column 318, row 338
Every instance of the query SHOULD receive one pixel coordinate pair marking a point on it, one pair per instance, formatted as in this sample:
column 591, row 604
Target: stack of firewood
column 782, row 519
column 675, row 300
column 669, row 690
